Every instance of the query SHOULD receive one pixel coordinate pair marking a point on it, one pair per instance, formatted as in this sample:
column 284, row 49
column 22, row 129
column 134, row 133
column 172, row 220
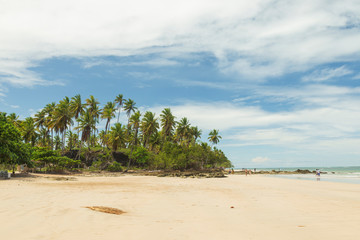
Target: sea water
column 330, row 174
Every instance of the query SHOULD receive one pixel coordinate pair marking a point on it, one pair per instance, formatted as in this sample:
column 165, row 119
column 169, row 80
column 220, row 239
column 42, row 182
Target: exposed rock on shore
column 188, row 174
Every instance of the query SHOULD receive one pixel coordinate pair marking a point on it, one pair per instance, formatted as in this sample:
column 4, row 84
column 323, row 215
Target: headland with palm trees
column 69, row 131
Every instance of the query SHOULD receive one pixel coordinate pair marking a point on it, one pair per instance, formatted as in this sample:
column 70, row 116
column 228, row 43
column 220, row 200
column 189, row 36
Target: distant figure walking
column 318, row 174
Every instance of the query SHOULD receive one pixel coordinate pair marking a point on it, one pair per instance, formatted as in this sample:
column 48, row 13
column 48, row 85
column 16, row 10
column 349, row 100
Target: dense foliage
column 12, row 149
column 65, row 135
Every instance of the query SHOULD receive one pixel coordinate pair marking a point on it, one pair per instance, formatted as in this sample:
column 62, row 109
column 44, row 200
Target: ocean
column 329, row 174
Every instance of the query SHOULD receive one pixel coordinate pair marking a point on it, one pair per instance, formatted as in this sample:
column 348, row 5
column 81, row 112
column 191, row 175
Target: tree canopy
column 12, row 149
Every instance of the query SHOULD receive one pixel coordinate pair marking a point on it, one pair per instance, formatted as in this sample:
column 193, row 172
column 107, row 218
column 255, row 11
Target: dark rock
column 303, row 171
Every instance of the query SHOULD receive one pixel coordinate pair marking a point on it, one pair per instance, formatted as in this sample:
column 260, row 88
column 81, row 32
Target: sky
column 279, row 79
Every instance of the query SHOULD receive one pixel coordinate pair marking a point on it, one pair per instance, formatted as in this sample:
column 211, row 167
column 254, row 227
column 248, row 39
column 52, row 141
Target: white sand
column 176, row 208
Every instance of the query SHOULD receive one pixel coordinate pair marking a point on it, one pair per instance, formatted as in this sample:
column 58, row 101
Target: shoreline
column 340, row 178
column 299, row 174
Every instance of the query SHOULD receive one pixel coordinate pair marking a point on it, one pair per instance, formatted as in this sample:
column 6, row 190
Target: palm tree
column 44, row 137
column 29, row 131
column 214, row 136
column 95, row 113
column 40, row 119
column 94, row 110
column 49, row 110
column 149, row 125
column 76, row 106
column 129, row 107
column 207, row 150
column 58, row 143
column 92, row 103
column 183, row 128
column 118, row 136
column 12, row 117
column 119, row 100
column 86, row 125
column 134, row 123
column 62, row 118
column 155, row 139
column 195, row 133
column 103, row 138
column 108, row 113
column 167, row 122
column 72, row 139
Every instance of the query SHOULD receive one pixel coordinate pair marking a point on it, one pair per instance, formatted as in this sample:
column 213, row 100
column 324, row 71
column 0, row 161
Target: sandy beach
column 236, row 207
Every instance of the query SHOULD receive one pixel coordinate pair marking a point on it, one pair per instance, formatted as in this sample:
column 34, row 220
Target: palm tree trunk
column 64, row 137
column 52, row 139
column 136, row 133
column 78, row 154
column 131, row 151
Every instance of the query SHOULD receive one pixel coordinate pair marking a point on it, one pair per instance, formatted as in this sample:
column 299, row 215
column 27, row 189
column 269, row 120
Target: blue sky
column 279, row 79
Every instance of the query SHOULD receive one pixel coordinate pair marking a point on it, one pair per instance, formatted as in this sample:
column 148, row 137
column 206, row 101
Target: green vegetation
column 52, row 160
column 64, row 136
column 12, row 149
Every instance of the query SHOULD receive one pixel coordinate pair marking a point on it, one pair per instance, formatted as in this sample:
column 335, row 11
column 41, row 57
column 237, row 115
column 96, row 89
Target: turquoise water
column 329, row 174
column 336, row 170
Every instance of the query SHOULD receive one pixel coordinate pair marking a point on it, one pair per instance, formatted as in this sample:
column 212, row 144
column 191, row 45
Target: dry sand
column 237, row 207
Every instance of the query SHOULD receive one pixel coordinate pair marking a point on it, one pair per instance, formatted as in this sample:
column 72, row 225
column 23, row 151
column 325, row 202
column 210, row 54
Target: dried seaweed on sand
column 106, row 210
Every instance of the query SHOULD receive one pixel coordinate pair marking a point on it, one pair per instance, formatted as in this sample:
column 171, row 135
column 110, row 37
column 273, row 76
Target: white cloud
column 254, row 39
column 327, row 74
column 357, row 76
column 2, row 91
column 157, row 62
column 260, row 160
column 223, row 115
column 144, row 75
column 324, row 127
column 194, row 83
column 314, row 95
column 16, row 73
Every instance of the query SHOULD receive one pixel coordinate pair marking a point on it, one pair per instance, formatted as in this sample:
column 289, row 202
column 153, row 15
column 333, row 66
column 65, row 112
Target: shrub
column 115, row 167
column 141, row 155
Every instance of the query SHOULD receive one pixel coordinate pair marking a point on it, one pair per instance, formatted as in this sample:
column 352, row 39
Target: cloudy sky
column 279, row 79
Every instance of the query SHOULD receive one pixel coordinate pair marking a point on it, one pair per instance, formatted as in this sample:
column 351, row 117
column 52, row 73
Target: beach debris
column 109, row 210
column 232, row 207
column 301, row 226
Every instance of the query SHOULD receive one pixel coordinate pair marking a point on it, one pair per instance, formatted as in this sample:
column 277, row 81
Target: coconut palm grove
column 66, row 136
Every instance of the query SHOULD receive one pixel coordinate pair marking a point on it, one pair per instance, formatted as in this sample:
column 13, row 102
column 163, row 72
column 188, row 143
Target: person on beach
column 318, row 174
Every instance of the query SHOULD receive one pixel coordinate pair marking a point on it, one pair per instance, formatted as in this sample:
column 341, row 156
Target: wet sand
column 236, row 207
